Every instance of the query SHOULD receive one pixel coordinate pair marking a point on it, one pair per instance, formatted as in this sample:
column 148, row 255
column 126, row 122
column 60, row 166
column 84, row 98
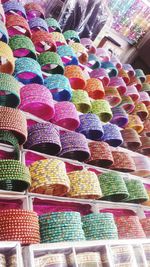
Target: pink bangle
column 129, row 69
column 87, row 42
column 142, row 166
column 133, row 92
column 100, row 74
column 144, row 98
column 136, row 82
column 66, row 115
column 116, row 62
column 102, row 54
column 119, row 83
column 37, row 100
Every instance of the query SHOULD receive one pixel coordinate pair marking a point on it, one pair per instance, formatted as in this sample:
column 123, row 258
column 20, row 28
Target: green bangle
column 22, row 46
column 137, row 191
column 53, row 25
column 71, row 35
column 8, row 137
column 102, row 109
column 51, row 58
column 14, row 175
column 146, row 87
column 9, row 91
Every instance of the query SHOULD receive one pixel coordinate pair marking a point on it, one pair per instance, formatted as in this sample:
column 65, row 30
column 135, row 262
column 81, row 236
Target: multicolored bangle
column 8, row 64
column 59, row 38
column 59, row 86
column 8, row 122
column 53, row 25
column 9, row 91
column 112, row 70
column 14, row 7
column 112, row 96
column 102, row 75
column 34, row 10
column 38, row 24
column 49, row 177
column 102, row 109
column 120, row 117
column 44, row 138
column 93, row 62
column 135, row 123
column 112, row 135
column 7, row 137
column 71, row 35
column 51, row 62
column 119, row 83
column 140, row 74
column 123, row 162
column 66, row 115
column 17, row 25
column 74, row 146
column 137, row 191
column 67, row 55
column 43, row 41
column 22, row 46
column 95, row 89
column 127, row 104
column 37, row 100
column 141, row 111
column 81, row 100
column 144, row 98
column 87, row 42
column 76, row 76
column 132, row 92
column 4, row 34
column 124, row 75
column 129, row 69
column 28, row 70
column 131, row 139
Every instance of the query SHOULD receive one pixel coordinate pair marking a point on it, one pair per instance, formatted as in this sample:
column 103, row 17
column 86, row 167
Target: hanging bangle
column 53, row 25
column 51, row 62
column 22, row 46
column 17, row 25
column 43, row 41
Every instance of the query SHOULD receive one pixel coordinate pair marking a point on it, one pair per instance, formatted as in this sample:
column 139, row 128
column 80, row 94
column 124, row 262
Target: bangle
column 74, row 146
column 59, row 86
column 124, row 75
column 133, row 92
column 102, row 109
column 140, row 74
column 147, row 127
column 43, row 41
column 84, row 184
column 38, row 24
column 9, row 91
column 145, row 222
column 112, row 96
column 34, row 10
column 22, row 46
column 119, row 83
column 66, row 115
column 112, row 135
column 116, row 62
column 93, row 62
column 127, row 104
column 14, row 176
column 51, row 63
column 101, row 155
column 123, row 162
column 49, row 177
column 80, row 52
column 17, row 25
column 50, row 260
column 113, row 186
column 147, row 187
column 67, row 55
column 131, row 139
column 90, row 126
column 146, row 87
column 136, row 82
column 129, row 69
column 141, row 111
column 94, row 88
column 102, row 54
column 144, row 98
column 44, row 138
column 147, row 78
column 112, row 71
column 8, row 122
column 53, row 25
column 75, row 76
column 102, row 75
column 71, row 35
column 8, row 65
column 4, row 34
column 37, row 100
column 145, row 145
column 142, row 166
column 14, row 7
column 59, row 38
column 135, row 123
column 7, row 137
column 28, row 70
column 120, row 117
column 89, row 45
column 81, row 100
column 137, row 191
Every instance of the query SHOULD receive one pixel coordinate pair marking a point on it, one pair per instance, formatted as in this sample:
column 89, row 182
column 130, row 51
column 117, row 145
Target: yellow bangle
column 8, row 65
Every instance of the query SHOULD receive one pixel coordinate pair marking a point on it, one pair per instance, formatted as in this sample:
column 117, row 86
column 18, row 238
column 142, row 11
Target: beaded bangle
column 74, row 146
column 103, row 54
column 22, row 46
column 53, row 25
column 38, row 24
column 119, row 83
column 123, row 162
column 75, row 76
column 8, row 64
column 34, row 10
column 112, row 96
column 140, row 74
column 17, row 25
column 127, row 104
column 146, row 87
column 116, row 62
column 51, row 62
column 144, row 98
column 80, row 52
column 113, row 186
column 59, row 86
column 135, row 123
column 102, row 109
column 112, row 135
column 137, row 191
column 145, row 145
column 44, row 137
column 81, row 100
column 14, row 7
column 59, row 38
column 132, row 92
column 131, row 139
column 84, row 184
column 67, row 55
column 14, row 176
column 71, row 35
column 8, row 137
column 49, row 177
column 112, row 71
column 100, row 154
column 8, row 122
column 37, row 100
column 100, row 74
column 66, row 115
column 124, row 75
column 28, row 70
column 93, row 62
column 89, row 45
column 3, row 33
column 95, row 88
column 136, row 82
column 9, row 91
column 43, row 41
column 141, row 111
column 129, row 69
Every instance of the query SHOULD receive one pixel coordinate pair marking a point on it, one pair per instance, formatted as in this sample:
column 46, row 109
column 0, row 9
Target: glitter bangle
column 75, row 76
column 81, row 100
column 146, row 87
column 136, row 82
column 80, row 52
column 141, row 111
column 145, row 145
column 140, row 74
column 17, row 25
column 22, row 46
column 8, row 64
column 120, row 117
column 95, row 88
column 51, row 62
column 131, row 139
column 59, row 38
column 53, row 25
column 116, row 62
column 137, row 191
column 144, row 98
column 112, row 71
column 4, row 34
column 112, row 96
column 119, row 83
column 135, row 123
column 102, row 109
column 112, row 135
column 7, row 137
column 38, row 24
column 43, row 41
column 87, row 42
column 124, row 75
column 123, row 162
column 127, row 104
column 129, row 69
column 93, row 62
column 14, row 7
column 103, row 54
column 132, row 92
column 100, row 74
column 34, row 10
column 71, row 35
column 67, row 55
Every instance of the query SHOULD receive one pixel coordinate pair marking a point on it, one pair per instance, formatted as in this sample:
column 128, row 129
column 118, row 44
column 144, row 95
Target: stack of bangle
column 136, row 82
column 112, row 135
column 22, row 46
column 4, row 34
column 8, row 65
column 88, row 259
column 44, row 138
column 19, row 225
column 145, row 145
column 102, row 109
column 100, row 74
column 146, row 87
column 67, row 55
column 87, row 42
column 14, row 7
column 34, row 10
column 120, row 117
column 7, row 137
column 49, row 177
column 112, row 96
column 132, row 92
column 17, row 25
column 144, row 98
column 38, row 23
column 131, row 139
column 76, row 77
column 123, row 162
column 103, row 54
column 119, row 83
column 95, row 88
column 135, row 123
column 129, row 69
column 81, row 100
column 8, row 122
column 50, row 260
column 137, row 191
column 109, row 66
column 142, row 166
column 51, row 62
column 93, row 62
column 59, row 38
column 116, row 62
column 140, row 74
column 122, row 73
column 80, row 52
column 53, row 25
column 71, row 35
column 145, row 222
column 127, row 104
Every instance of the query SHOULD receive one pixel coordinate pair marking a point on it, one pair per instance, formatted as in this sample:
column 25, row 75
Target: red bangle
column 123, row 162
column 13, row 21
column 95, row 88
column 75, row 76
column 43, row 41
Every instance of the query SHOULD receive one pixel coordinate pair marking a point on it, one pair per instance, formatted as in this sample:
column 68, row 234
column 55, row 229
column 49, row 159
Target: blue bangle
column 59, row 86
column 112, row 70
column 28, row 70
column 71, row 35
column 15, row 6
column 38, row 23
column 97, row 63
column 3, row 30
column 66, row 51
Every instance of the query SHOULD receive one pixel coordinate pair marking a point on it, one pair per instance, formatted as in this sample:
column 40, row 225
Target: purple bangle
column 87, row 42
column 112, row 135
column 14, row 6
column 100, row 74
column 44, row 138
column 74, row 146
column 119, row 83
column 91, row 126
column 144, row 98
column 129, row 69
column 102, row 54
column 37, row 24
column 120, row 117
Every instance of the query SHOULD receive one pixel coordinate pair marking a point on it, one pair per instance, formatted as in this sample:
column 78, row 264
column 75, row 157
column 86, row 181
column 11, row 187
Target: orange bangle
column 135, row 123
column 95, row 88
column 122, row 73
column 80, row 51
column 15, row 20
column 147, row 79
column 9, row 65
column 76, row 76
